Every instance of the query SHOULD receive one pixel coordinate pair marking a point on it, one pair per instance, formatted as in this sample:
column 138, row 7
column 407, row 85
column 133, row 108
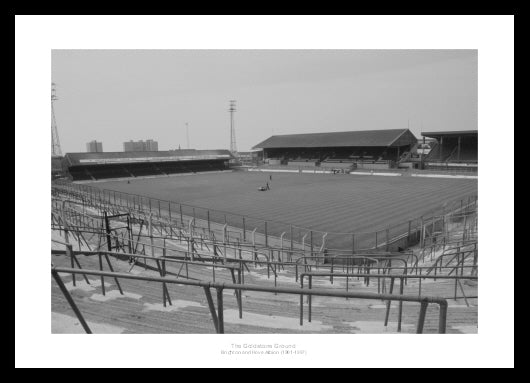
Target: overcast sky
column 118, row 95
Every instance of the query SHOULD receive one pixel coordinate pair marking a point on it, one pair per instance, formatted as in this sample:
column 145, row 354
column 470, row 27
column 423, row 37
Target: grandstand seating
column 336, row 155
column 467, row 154
column 339, row 160
column 343, row 156
column 440, row 153
column 83, row 173
column 143, row 169
column 448, row 152
column 80, row 174
column 101, row 172
column 452, row 166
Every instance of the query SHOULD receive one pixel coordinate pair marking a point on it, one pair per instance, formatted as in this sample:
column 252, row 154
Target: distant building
column 151, row 146
column 140, row 146
column 133, row 146
column 94, row 147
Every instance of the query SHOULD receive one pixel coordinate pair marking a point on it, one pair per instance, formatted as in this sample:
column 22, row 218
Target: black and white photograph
column 266, row 195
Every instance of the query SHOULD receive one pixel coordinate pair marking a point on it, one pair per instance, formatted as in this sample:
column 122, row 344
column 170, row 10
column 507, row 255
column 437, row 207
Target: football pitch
column 339, row 203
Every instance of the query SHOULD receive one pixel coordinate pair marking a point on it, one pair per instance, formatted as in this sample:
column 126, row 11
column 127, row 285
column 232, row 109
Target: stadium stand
column 369, row 149
column 452, row 150
column 101, row 165
column 58, row 167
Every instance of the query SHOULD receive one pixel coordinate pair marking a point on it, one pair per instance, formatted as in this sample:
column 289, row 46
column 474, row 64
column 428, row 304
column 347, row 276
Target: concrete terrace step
column 140, row 310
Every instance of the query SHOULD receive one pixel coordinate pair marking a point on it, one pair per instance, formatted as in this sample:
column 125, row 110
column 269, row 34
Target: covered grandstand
column 371, row 149
column 58, row 167
column 452, row 150
column 95, row 166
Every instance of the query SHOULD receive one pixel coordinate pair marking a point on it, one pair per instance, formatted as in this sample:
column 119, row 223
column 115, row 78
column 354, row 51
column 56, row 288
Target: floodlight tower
column 232, row 109
column 56, row 145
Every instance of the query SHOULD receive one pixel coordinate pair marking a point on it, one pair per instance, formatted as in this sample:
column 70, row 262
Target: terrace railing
column 403, row 278
column 267, row 232
column 218, row 314
column 371, row 261
column 244, row 255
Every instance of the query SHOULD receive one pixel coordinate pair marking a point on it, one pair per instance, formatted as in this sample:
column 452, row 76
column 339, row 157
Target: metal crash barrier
column 217, row 315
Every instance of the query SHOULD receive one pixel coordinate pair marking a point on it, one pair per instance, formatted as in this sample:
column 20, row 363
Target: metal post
column 151, row 240
column 107, row 230
column 400, row 315
column 280, row 252
column 211, row 306
column 220, row 311
column 112, row 270
column 421, row 318
column 70, row 301
column 291, row 234
column 165, row 286
column 102, row 278
column 464, row 230
column 408, row 234
column 266, row 235
column 302, row 302
column 323, row 247
column 71, row 256
column 442, row 318
column 422, row 233
column 311, row 239
column 433, row 229
column 240, row 294
column 303, row 244
column 389, row 302
column 310, row 297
